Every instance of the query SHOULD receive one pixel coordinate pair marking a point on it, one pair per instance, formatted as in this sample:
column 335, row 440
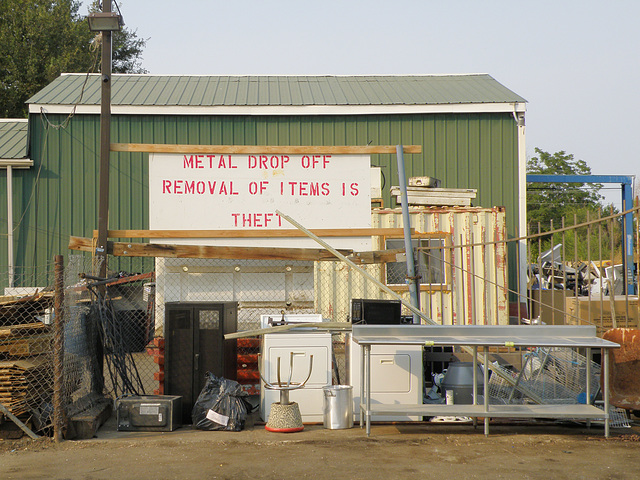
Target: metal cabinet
column 194, row 345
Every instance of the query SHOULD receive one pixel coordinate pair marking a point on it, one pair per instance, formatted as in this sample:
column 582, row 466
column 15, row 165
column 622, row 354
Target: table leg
column 588, row 392
column 361, row 399
column 605, row 393
column 485, row 386
column 475, row 382
column 367, row 388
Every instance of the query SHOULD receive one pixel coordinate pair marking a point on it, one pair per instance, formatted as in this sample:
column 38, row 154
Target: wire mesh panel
column 109, row 323
column 26, row 348
column 553, row 375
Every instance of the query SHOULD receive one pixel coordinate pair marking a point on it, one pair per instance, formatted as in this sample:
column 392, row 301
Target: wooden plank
column 335, row 326
column 436, row 192
column 266, row 233
column 440, row 202
column 22, row 329
column 121, row 249
column 27, row 346
column 263, row 149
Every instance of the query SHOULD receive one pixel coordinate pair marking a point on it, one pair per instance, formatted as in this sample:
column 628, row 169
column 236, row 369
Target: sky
column 576, row 62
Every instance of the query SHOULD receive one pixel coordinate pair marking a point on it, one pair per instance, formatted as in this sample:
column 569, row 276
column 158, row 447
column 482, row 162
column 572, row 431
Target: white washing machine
column 396, row 377
column 302, row 345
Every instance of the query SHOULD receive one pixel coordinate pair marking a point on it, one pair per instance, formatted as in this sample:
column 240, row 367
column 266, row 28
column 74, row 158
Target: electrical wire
column 123, row 372
column 65, row 123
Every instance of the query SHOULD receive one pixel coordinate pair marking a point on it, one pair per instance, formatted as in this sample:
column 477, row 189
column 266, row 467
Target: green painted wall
column 58, row 195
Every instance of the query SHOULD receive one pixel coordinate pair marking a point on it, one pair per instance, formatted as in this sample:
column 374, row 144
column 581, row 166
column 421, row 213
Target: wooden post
column 58, row 349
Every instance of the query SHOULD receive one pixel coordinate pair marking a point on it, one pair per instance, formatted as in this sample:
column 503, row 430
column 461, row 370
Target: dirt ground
column 527, row 450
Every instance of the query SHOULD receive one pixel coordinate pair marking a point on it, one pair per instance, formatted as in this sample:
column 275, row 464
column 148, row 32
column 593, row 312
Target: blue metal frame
column 626, row 183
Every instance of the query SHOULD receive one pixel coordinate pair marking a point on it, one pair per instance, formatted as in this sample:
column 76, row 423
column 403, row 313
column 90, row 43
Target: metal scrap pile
column 581, row 278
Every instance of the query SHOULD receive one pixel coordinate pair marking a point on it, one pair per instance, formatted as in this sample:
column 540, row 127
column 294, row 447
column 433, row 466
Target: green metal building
column 471, row 129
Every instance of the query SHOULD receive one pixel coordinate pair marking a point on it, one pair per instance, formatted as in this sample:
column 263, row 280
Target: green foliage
column 548, row 203
column 40, row 39
column 601, row 240
column 552, row 206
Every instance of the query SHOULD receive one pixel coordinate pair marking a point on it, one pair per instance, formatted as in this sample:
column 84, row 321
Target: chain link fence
column 116, row 333
column 26, row 347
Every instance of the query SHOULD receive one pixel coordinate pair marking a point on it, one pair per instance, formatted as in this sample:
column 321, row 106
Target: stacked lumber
column 428, row 196
column 25, row 340
column 17, row 310
column 22, row 383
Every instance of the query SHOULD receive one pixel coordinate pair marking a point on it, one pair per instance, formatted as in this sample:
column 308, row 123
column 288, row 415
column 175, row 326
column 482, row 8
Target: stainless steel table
column 483, row 336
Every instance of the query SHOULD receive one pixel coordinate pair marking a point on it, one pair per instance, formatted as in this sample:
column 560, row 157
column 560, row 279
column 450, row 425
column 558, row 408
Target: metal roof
column 13, row 139
column 280, row 91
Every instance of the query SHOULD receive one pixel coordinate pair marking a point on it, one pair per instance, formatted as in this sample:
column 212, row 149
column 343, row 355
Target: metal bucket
column 337, row 406
column 458, row 383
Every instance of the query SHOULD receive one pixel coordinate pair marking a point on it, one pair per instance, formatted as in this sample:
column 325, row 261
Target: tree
column 40, row 39
column 556, row 205
column 550, row 202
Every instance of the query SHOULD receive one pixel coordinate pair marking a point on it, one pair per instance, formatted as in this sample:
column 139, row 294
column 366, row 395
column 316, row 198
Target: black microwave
column 376, row 312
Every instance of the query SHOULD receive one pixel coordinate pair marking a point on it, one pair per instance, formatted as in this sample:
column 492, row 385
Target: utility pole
column 105, row 147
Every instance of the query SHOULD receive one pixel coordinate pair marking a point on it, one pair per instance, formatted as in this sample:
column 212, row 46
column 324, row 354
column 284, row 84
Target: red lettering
column 166, row 186
column 255, row 219
column 263, row 161
column 193, row 161
column 189, row 187
column 315, row 161
column 222, row 163
column 257, row 188
column 177, row 187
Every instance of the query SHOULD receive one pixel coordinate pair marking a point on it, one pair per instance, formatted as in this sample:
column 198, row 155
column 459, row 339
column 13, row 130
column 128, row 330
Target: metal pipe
column 10, row 224
column 412, row 278
column 605, row 368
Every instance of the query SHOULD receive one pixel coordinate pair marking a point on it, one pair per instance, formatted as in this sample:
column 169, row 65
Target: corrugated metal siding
column 477, row 290
column 279, row 90
column 13, row 139
column 463, row 150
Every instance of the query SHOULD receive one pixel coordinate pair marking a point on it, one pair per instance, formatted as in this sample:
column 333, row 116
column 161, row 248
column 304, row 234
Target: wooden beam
column 262, row 149
column 292, row 326
column 257, row 233
column 122, row 249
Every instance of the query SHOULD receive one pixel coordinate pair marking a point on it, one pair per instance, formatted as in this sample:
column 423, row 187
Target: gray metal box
column 149, row 413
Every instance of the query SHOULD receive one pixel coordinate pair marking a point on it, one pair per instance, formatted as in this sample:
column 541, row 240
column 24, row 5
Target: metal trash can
column 337, row 406
column 458, row 383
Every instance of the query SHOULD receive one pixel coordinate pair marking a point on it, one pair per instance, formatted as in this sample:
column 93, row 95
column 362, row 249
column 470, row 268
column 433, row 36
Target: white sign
column 240, row 192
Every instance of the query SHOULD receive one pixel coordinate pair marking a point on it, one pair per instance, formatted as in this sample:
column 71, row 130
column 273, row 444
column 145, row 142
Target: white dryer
column 302, row 345
column 396, row 377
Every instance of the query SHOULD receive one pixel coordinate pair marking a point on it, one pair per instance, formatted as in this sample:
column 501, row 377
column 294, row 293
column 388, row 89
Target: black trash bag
column 220, row 405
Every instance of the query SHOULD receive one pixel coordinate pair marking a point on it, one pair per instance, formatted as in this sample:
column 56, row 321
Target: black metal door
column 194, row 335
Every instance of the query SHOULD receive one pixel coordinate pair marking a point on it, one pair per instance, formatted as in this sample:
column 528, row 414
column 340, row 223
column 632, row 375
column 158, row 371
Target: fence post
column 58, row 348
